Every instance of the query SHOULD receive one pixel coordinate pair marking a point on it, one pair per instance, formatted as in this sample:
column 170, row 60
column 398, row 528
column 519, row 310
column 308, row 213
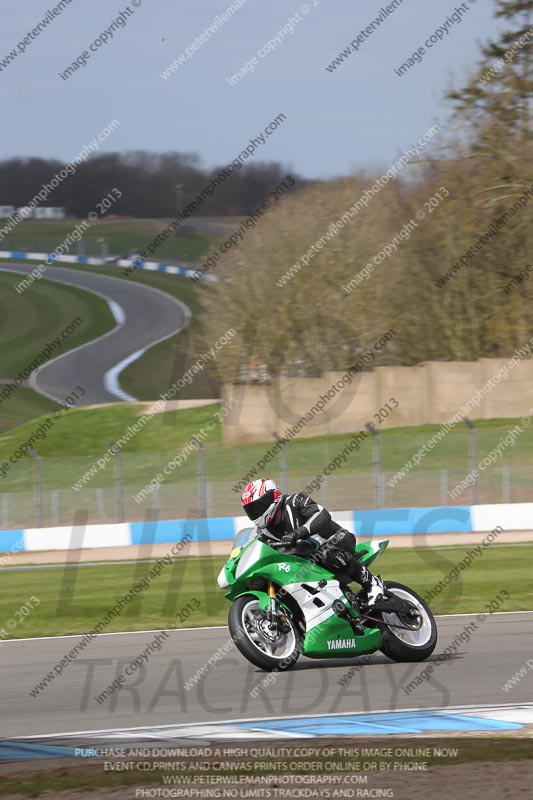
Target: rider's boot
column 373, row 586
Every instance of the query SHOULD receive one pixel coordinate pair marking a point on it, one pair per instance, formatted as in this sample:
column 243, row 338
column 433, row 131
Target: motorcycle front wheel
column 260, row 642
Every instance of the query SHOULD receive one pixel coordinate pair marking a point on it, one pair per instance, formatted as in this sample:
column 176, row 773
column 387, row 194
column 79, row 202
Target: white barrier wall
column 377, row 522
column 83, row 537
column 511, row 517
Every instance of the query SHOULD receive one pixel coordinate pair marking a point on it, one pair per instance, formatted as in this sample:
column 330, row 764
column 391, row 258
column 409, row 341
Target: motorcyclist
column 298, row 521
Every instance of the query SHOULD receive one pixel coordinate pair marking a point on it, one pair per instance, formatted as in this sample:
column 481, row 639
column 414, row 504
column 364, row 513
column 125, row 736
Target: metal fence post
column 324, row 492
column 379, row 489
column 119, row 481
column 473, row 457
column 202, row 479
column 444, row 487
column 100, row 504
column 5, row 511
column 156, row 502
column 506, row 484
column 283, row 459
column 37, row 487
column 54, row 507
column 324, row 488
column 211, row 512
column 104, row 249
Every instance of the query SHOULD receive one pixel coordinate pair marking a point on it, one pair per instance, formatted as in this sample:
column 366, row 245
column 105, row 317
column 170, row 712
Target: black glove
column 290, row 539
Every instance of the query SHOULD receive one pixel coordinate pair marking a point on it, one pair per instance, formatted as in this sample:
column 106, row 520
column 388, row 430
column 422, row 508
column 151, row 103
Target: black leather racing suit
column 326, row 542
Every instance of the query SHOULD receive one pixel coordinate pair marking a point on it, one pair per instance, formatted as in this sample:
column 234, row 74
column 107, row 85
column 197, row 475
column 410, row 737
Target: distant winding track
column 145, row 316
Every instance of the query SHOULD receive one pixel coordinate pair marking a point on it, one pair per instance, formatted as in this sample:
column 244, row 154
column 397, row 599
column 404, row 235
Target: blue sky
column 360, row 115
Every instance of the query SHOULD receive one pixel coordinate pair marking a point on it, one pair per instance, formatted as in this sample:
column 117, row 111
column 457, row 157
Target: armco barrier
column 152, row 266
column 379, row 522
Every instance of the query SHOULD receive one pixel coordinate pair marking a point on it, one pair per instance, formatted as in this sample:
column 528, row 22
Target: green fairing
column 371, row 551
column 268, row 566
column 264, row 599
column 299, row 570
column 338, row 632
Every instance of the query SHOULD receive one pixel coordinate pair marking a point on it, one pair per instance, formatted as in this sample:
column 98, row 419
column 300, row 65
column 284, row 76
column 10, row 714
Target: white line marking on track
column 442, row 709
column 111, row 381
column 111, row 377
column 117, row 311
column 120, row 320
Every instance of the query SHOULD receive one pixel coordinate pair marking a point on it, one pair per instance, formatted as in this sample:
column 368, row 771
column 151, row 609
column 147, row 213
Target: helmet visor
column 257, row 508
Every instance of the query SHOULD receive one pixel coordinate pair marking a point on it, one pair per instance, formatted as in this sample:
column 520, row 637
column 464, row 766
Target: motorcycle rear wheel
column 400, row 644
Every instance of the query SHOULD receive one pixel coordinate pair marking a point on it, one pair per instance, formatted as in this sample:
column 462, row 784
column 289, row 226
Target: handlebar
column 277, row 545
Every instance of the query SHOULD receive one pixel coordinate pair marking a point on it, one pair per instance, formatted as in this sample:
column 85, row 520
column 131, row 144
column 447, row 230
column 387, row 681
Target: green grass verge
column 81, row 435
column 41, row 313
column 72, row 444
column 25, row 405
column 69, row 603
column 122, row 236
column 75, row 435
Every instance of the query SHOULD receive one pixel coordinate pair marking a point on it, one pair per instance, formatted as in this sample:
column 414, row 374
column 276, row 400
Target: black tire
column 251, row 651
column 399, row 650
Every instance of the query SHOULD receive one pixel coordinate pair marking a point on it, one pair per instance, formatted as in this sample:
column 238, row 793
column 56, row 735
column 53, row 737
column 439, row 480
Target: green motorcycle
column 284, row 605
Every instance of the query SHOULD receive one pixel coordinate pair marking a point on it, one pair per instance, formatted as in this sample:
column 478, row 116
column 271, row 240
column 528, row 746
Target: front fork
column 276, row 614
column 272, row 610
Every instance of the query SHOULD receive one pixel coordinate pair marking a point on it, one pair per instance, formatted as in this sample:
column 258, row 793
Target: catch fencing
column 39, row 492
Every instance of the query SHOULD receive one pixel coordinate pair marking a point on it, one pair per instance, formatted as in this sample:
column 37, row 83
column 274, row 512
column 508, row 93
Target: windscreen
column 242, row 538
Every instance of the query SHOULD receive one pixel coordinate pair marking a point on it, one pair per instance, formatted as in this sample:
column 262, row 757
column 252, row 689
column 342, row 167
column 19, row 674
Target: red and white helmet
column 260, row 501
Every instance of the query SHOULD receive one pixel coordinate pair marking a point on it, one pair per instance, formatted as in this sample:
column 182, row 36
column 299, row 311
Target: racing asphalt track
column 156, row 695
column 144, row 316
